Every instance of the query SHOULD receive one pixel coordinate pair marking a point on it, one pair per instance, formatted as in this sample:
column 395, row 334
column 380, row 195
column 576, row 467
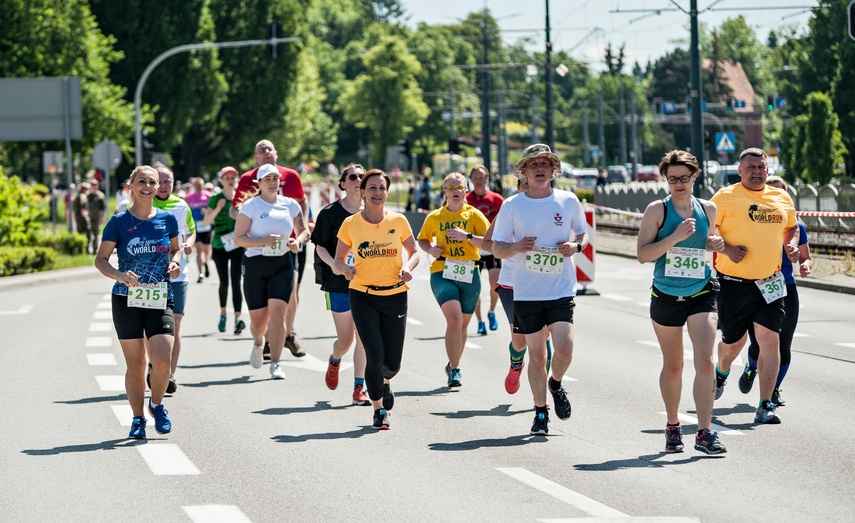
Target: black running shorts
column 133, row 323
column 267, row 278
column 531, row 316
column 740, row 304
column 673, row 311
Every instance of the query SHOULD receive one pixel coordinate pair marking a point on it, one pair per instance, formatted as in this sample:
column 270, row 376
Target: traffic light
column 273, row 49
column 689, row 105
column 728, row 102
column 454, row 146
column 707, row 140
column 405, row 147
column 770, row 102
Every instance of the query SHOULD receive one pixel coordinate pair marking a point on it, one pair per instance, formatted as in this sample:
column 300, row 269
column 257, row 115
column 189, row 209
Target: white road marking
column 99, row 341
column 800, row 335
column 23, row 309
column 216, row 514
column 97, row 326
column 616, row 297
column 104, row 305
column 111, row 383
column 309, row 362
column 101, row 359
column 166, row 459
column 125, row 414
column 583, row 503
column 654, row 344
column 847, row 345
column 685, row 418
column 470, row 345
column 107, row 297
column 413, row 321
column 102, row 315
column 628, row 519
column 643, row 303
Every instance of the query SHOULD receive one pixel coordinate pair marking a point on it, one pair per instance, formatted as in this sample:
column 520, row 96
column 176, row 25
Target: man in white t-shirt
column 542, row 229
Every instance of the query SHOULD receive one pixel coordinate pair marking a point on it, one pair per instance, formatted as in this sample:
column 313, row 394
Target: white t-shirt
column 556, row 218
column 270, row 218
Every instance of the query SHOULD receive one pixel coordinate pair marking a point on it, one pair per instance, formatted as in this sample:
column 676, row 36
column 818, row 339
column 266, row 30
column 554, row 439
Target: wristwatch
column 578, row 246
column 469, row 236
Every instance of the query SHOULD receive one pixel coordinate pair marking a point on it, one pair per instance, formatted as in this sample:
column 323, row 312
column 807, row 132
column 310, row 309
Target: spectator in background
column 122, row 200
column 97, row 203
column 424, row 194
column 602, row 176
column 198, row 201
column 411, row 195
column 80, row 206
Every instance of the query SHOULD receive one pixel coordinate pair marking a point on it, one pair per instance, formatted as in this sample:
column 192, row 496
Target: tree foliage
column 823, row 147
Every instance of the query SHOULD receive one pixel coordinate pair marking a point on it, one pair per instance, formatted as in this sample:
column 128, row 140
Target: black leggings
column 221, row 260
column 381, row 322
column 791, row 319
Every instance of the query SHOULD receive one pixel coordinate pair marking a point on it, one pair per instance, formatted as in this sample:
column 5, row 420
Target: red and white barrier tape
column 813, row 214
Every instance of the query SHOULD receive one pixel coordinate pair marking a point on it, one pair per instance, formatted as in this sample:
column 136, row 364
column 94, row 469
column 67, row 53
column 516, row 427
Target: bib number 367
column 773, row 287
column 148, row 296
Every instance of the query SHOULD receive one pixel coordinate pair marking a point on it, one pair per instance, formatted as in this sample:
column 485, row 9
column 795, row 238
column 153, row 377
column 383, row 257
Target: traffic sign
column 725, row 143
column 107, row 155
column 739, row 104
column 781, row 102
column 669, row 107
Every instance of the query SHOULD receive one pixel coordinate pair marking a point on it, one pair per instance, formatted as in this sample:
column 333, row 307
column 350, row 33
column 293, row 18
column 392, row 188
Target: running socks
column 782, row 370
column 516, row 356
column 554, row 385
column 358, row 381
column 335, row 362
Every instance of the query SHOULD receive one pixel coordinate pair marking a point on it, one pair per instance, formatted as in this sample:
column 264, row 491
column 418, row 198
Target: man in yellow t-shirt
column 753, row 219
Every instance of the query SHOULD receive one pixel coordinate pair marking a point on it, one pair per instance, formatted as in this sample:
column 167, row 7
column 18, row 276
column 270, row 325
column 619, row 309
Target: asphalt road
column 245, row 448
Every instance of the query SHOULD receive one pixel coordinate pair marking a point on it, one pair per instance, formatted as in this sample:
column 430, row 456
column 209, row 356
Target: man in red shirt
column 489, row 203
column 291, row 186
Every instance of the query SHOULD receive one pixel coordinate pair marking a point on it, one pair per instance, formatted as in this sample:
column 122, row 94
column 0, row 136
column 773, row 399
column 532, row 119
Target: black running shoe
column 720, row 382
column 541, row 424
column 388, row 397
column 171, row 386
column 148, row 376
column 240, row 326
column 381, row 420
column 562, row 404
column 708, row 442
column 265, row 354
column 673, row 439
column 776, row 398
column 746, row 380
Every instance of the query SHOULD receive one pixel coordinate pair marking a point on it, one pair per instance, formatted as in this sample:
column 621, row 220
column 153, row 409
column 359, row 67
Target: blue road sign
column 780, row 102
column 725, row 143
column 739, row 104
column 669, row 107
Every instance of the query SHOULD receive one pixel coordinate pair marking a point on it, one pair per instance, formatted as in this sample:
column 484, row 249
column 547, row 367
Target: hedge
column 23, row 260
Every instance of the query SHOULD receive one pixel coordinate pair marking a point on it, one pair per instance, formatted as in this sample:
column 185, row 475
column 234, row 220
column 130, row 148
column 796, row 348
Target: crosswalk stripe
column 583, row 503
column 102, row 359
column 166, row 459
column 125, row 414
column 111, row 383
column 102, row 315
column 216, row 514
column 104, row 305
column 97, row 326
column 685, row 418
column 99, row 341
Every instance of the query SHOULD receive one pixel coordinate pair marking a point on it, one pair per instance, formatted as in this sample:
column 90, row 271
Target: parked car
column 727, row 175
column 585, row 179
column 648, row 173
column 617, row 174
column 567, row 170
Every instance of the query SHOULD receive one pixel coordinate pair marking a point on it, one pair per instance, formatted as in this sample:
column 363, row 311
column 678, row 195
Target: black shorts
column 488, row 261
column 531, row 316
column 133, row 323
column 300, row 264
column 740, row 304
column 267, row 278
column 506, row 296
column 673, row 311
column 204, row 237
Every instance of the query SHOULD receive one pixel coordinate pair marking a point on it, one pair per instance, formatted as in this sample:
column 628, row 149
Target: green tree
column 61, row 38
column 738, row 41
column 385, row 100
column 792, row 140
column 823, row 147
column 20, row 219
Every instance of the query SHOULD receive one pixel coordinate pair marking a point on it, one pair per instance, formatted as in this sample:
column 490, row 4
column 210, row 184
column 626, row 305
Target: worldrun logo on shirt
column 139, row 246
column 764, row 214
column 376, row 250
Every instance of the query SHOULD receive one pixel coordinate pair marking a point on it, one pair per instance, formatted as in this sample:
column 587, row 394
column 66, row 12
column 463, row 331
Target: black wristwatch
column 469, row 236
column 578, row 246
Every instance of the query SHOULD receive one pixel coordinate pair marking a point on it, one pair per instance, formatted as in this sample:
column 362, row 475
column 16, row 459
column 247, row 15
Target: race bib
column 277, row 249
column 459, row 270
column 228, row 242
column 148, row 295
column 350, row 261
column 773, row 287
column 545, row 260
column 685, row 262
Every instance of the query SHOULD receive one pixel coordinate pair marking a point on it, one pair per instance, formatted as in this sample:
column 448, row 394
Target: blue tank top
column 682, row 286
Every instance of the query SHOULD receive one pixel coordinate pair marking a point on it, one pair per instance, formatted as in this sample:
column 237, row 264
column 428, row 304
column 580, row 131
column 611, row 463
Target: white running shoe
column 276, row 372
column 255, row 357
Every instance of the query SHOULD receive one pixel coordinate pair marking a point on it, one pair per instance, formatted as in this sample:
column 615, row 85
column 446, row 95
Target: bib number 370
column 546, row 260
column 148, row 296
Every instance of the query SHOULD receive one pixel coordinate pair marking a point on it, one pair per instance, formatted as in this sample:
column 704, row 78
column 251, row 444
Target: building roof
column 733, row 75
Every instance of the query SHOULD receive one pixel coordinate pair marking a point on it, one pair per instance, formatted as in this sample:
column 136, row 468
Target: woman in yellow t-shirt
column 378, row 290
column 452, row 235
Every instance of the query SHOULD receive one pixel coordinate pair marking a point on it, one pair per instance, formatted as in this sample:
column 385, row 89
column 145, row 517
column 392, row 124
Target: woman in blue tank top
column 675, row 234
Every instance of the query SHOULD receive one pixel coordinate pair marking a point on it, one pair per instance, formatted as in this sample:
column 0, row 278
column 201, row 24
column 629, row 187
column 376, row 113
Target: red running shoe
column 512, row 380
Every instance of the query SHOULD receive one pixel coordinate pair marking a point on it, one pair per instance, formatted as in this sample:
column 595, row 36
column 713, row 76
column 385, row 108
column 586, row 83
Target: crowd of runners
column 255, row 227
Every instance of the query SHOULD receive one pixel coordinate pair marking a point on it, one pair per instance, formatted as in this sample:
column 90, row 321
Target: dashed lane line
column 413, row 321
column 216, row 514
column 99, row 341
column 111, row 383
column 125, row 414
column 583, row 503
column 100, row 326
column 101, row 359
column 166, row 459
column 102, row 315
column 104, row 305
column 23, row 309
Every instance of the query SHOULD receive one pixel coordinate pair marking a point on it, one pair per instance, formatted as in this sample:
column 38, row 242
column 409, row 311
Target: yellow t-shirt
column 437, row 222
column 377, row 251
column 757, row 220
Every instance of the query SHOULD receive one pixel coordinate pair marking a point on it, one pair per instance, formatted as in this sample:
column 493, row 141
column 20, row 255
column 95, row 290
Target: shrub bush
column 585, row 194
column 70, row 243
column 23, row 260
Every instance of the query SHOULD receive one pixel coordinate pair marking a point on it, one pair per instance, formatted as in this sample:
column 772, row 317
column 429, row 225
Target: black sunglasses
column 353, row 177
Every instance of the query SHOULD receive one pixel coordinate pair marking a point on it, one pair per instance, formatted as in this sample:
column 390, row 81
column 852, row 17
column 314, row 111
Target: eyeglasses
column 681, row 179
column 263, row 150
column 354, row 177
column 455, row 187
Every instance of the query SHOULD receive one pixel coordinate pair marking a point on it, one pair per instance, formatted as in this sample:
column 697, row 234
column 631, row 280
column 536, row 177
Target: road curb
column 47, row 277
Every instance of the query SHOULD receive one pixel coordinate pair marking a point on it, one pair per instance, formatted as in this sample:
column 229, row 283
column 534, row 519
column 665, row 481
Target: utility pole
column 601, row 128
column 622, row 108
column 587, row 153
column 550, row 120
column 696, row 93
column 485, row 97
column 634, row 129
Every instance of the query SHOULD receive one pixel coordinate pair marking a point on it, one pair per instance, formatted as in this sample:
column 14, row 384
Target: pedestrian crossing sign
column 725, row 143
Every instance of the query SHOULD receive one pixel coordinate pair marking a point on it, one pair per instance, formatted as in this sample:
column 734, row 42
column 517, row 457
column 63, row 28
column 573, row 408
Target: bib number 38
column 459, row 270
column 148, row 296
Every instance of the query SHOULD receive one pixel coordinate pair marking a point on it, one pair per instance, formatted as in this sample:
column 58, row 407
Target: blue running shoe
column 138, row 428
column 482, row 328
column 161, row 419
column 491, row 317
column 454, row 378
column 222, row 325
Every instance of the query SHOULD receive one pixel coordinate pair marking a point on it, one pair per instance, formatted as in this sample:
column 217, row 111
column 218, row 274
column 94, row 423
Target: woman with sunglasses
column 378, row 290
column 335, row 286
column 452, row 234
column 224, row 249
column 675, row 233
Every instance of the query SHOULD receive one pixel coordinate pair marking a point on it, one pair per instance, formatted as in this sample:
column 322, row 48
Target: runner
column 452, row 235
column 791, row 311
column 335, row 286
column 675, row 233
column 378, row 290
column 547, row 227
column 264, row 228
column 198, row 200
column 224, row 250
column 164, row 199
column 489, row 203
column 146, row 243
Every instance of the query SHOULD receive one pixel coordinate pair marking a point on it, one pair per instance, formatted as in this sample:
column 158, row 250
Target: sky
column 646, row 35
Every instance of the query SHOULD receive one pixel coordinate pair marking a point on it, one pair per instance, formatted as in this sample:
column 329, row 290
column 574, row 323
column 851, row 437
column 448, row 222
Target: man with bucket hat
column 542, row 229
